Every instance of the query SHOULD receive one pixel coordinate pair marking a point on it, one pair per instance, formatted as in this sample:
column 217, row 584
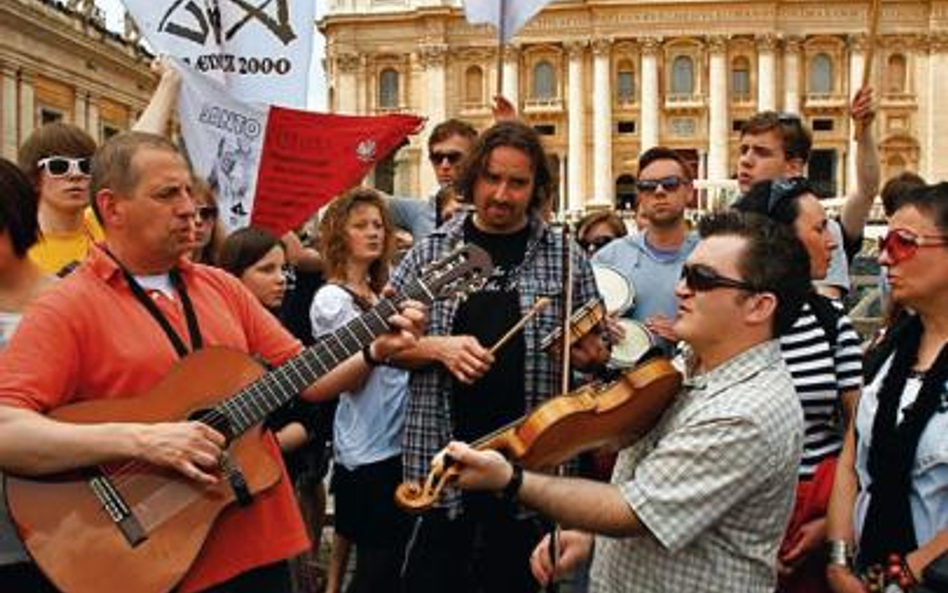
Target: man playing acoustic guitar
column 700, row 503
column 114, row 329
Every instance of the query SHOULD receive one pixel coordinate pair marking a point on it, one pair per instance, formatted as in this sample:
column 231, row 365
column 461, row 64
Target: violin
column 581, row 322
column 594, row 416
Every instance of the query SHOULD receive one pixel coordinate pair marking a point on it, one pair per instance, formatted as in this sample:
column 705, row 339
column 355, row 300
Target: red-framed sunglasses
column 902, row 244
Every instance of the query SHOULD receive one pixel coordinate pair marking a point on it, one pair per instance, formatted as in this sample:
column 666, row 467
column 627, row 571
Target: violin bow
column 538, row 306
column 567, row 274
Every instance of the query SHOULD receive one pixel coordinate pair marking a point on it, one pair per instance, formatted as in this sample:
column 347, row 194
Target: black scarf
column 888, row 525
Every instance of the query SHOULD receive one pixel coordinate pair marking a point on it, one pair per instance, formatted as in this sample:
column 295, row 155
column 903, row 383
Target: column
column 27, row 106
column 511, row 75
column 79, row 111
column 649, row 113
column 347, row 96
column 766, row 73
column 576, row 171
column 857, row 60
column 92, row 116
column 8, row 109
column 937, row 144
column 603, row 187
column 791, row 74
column 717, row 109
column 433, row 58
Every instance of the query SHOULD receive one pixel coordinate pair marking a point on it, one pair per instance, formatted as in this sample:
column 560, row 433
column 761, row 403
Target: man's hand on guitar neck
column 191, row 448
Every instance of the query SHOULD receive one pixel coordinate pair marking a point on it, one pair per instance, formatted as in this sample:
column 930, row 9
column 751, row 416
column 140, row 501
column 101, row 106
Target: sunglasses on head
column 902, row 244
column 782, row 189
column 668, row 184
column 702, row 278
column 452, row 156
column 60, row 166
column 206, row 212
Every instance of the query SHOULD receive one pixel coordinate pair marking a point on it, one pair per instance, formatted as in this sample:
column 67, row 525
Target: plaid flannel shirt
column 428, row 426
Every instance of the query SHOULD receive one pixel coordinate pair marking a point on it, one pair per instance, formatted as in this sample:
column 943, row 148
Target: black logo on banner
column 195, row 21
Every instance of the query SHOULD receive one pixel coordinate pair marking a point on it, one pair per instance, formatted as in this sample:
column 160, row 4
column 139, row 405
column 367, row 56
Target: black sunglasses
column 597, row 243
column 669, row 184
column 60, row 166
column 702, row 278
column 453, row 157
column 207, row 212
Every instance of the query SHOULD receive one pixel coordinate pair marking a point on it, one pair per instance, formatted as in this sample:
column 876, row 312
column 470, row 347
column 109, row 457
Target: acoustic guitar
column 136, row 527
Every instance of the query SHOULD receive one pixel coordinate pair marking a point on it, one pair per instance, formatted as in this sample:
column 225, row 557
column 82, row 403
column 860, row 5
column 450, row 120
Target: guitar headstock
column 460, row 272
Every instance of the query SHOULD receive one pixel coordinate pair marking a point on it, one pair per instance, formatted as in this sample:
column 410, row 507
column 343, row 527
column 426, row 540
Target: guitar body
column 72, row 537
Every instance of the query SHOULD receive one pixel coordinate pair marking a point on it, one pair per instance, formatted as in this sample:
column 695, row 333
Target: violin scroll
column 417, row 497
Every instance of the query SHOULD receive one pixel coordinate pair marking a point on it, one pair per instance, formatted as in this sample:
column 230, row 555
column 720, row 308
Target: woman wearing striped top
column 823, row 353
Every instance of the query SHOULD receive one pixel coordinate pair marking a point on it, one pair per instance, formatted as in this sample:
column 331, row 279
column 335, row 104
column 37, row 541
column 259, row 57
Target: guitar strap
column 194, row 329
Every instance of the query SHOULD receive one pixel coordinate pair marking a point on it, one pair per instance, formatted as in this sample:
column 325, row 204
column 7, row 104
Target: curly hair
column 332, row 236
column 512, row 134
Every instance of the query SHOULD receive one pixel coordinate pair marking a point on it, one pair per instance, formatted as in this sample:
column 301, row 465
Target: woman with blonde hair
column 357, row 242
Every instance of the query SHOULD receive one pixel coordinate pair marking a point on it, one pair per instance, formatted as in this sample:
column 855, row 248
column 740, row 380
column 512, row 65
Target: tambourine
column 637, row 341
column 616, row 290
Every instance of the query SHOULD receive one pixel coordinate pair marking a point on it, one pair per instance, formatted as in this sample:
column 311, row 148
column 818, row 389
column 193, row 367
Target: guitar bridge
column 236, row 480
column 118, row 510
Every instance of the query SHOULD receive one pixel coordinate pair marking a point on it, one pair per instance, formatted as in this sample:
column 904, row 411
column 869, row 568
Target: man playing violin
column 462, row 390
column 118, row 325
column 701, row 502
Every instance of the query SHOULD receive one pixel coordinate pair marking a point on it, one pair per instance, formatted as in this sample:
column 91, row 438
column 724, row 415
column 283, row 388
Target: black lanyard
column 194, row 330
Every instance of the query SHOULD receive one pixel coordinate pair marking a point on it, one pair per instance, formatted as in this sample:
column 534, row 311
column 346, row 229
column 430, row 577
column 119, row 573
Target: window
column 545, row 129
column 821, row 74
column 625, row 82
column 821, row 171
column 895, row 74
column 385, row 175
column 822, row 124
column 474, row 85
column 48, row 115
column 625, row 192
column 388, row 89
column 740, row 79
column 544, row 81
column 683, row 76
column 738, row 124
column 109, row 130
column 627, row 126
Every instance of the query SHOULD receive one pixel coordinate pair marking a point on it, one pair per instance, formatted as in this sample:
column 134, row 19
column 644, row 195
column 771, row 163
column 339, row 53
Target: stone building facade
column 58, row 62
column 603, row 80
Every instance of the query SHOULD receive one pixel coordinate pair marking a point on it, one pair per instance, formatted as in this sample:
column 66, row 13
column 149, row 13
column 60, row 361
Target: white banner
column 224, row 139
column 516, row 13
column 260, row 49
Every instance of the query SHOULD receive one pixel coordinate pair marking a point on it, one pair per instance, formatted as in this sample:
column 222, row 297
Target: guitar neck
column 255, row 402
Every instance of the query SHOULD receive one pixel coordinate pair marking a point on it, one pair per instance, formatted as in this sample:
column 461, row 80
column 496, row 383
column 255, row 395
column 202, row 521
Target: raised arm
column 859, row 201
column 157, row 115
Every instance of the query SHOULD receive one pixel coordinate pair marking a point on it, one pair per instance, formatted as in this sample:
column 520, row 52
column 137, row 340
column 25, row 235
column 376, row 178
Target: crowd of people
column 793, row 459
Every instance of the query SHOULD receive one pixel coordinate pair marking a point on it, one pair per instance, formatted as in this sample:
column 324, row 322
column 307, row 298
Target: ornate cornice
column 767, row 43
column 433, row 55
column 348, row 63
column 716, row 44
column 651, row 45
column 601, row 46
column 576, row 49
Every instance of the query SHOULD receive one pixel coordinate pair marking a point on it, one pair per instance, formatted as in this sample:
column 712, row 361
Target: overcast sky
column 114, row 10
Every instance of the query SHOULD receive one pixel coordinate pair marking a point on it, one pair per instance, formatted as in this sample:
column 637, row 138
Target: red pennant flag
column 310, row 158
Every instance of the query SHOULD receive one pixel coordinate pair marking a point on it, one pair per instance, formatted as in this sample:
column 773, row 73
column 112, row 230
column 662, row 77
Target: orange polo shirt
column 87, row 337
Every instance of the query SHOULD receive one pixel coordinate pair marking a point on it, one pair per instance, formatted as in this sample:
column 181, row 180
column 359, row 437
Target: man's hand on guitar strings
column 192, row 448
